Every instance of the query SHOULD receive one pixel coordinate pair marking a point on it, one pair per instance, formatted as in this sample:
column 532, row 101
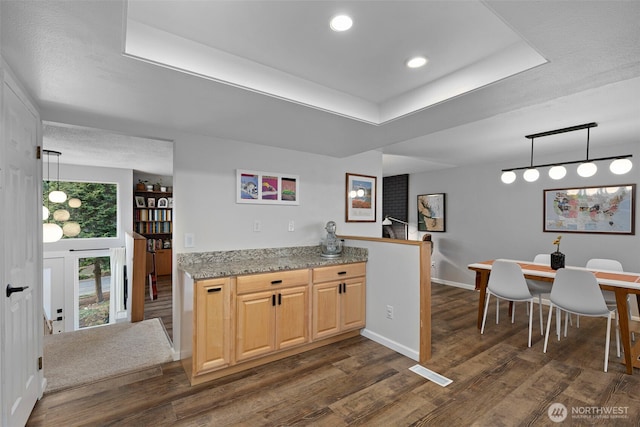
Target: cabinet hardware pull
column 273, row 300
column 341, row 273
column 279, row 299
column 214, row 290
column 340, row 288
column 276, row 282
column 344, row 287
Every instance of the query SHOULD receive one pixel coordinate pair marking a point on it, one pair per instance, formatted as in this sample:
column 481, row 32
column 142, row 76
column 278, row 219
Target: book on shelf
column 156, row 244
column 152, row 215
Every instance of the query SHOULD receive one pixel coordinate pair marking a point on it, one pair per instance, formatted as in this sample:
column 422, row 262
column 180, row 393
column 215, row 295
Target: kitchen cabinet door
column 255, row 325
column 352, row 304
column 292, row 314
column 326, row 309
column 212, row 340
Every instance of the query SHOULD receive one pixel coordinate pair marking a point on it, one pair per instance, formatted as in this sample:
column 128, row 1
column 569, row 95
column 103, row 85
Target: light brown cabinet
column 338, row 299
column 212, row 334
column 163, row 262
column 245, row 321
column 273, row 319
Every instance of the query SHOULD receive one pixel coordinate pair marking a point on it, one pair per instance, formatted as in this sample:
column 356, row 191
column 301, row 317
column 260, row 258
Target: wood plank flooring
column 497, row 381
column 162, row 306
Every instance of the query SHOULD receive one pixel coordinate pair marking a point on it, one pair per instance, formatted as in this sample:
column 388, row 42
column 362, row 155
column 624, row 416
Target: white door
column 20, row 259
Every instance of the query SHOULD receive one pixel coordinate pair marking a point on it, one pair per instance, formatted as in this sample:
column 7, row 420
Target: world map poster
column 590, row 209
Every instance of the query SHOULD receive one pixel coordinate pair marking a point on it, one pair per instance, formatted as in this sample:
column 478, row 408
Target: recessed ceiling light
column 416, row 62
column 341, row 23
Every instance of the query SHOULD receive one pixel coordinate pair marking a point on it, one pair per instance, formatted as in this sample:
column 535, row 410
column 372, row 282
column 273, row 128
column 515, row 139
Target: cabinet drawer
column 338, row 272
column 268, row 281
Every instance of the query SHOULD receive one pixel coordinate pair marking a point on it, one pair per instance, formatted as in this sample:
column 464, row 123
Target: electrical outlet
column 257, row 225
column 389, row 312
column 189, row 240
column 292, row 225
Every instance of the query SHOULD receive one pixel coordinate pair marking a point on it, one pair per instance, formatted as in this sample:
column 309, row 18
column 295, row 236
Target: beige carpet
column 76, row 358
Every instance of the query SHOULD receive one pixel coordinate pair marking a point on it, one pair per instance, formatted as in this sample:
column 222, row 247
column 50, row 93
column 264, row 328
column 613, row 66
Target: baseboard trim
column 454, row 284
column 397, row 347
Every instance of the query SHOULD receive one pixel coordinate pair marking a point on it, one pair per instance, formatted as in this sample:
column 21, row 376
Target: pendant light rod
column 626, row 156
column 563, row 130
column 531, row 162
column 588, row 144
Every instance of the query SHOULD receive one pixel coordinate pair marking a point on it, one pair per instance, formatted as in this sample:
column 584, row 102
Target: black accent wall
column 395, row 203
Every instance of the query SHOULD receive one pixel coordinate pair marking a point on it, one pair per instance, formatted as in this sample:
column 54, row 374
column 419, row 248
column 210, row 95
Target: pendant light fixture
column 55, row 196
column 51, row 232
column 587, row 167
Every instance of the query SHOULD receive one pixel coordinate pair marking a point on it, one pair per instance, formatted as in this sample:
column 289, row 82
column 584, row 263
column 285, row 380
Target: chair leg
column 606, row 345
column 546, row 335
column 513, row 312
column 540, row 306
column 618, row 335
column 558, row 322
column 486, row 308
column 530, row 321
column 497, row 310
column 567, row 316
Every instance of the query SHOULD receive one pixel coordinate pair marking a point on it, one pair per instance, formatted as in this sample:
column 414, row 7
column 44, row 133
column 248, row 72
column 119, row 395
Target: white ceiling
column 69, row 55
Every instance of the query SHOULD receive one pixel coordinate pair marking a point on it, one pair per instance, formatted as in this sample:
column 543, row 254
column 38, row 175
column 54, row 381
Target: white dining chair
column 578, row 292
column 609, row 296
column 507, row 282
column 538, row 287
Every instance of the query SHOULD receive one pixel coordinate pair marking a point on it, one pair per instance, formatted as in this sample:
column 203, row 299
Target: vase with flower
column 557, row 257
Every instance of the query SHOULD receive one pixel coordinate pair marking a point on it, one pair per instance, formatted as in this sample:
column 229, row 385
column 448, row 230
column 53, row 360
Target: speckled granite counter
column 210, row 265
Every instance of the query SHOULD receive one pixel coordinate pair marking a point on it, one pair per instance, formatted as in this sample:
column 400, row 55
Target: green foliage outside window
column 98, row 213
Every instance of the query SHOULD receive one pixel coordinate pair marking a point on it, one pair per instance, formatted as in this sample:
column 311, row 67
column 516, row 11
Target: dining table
column 621, row 283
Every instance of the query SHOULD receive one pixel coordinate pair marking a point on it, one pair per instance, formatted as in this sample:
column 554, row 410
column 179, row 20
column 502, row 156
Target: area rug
column 77, row 358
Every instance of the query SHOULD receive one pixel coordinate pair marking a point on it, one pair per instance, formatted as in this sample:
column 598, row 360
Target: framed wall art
column 606, row 210
column 267, row 188
column 360, row 196
column 431, row 212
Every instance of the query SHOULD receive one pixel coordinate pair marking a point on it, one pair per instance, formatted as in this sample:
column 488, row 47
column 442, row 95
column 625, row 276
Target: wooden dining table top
column 543, row 271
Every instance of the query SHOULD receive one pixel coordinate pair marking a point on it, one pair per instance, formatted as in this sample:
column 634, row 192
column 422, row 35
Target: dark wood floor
column 162, row 306
column 497, row 381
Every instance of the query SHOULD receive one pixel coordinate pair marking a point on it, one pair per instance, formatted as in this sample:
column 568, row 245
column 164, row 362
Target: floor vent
column 430, row 375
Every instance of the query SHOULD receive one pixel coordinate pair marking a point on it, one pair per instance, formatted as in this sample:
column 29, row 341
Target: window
column 90, row 211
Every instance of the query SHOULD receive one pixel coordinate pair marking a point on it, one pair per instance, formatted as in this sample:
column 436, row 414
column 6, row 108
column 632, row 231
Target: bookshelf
column 153, row 219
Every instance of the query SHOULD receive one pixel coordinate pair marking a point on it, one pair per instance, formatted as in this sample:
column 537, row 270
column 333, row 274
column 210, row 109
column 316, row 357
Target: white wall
column 205, row 195
column 487, row 219
column 393, row 279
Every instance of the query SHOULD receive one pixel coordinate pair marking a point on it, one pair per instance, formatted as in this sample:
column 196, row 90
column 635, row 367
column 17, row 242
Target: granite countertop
column 210, row 265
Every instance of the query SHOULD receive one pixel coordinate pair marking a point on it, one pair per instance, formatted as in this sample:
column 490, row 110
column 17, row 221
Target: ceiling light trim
column 158, row 47
column 155, row 46
column 517, row 58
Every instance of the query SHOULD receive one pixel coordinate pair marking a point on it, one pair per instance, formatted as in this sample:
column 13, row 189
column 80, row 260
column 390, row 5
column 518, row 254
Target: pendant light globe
column 620, row 166
column 557, row 172
column 587, row 170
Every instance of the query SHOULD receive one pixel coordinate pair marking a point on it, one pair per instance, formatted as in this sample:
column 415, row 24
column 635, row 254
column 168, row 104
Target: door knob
column 11, row 289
